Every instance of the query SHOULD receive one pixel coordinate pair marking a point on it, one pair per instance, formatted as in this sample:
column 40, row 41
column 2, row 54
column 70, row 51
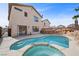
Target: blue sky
column 56, row 13
column 3, row 14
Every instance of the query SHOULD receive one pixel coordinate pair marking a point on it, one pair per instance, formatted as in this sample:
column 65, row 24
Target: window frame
column 25, row 14
column 36, row 19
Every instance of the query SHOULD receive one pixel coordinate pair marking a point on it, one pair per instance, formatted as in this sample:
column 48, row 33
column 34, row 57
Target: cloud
column 60, row 19
column 44, row 9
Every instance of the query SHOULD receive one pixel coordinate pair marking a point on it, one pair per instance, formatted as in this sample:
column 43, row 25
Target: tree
column 77, row 9
column 76, row 18
column 0, row 32
column 76, row 21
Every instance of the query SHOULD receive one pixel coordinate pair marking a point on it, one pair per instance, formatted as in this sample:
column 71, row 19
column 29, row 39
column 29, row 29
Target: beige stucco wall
column 18, row 18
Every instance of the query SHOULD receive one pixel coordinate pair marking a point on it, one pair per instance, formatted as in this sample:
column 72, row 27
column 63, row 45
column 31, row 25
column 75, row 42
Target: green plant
column 76, row 18
column 76, row 21
column 9, row 32
column 35, row 29
column 42, row 30
column 0, row 32
column 77, row 9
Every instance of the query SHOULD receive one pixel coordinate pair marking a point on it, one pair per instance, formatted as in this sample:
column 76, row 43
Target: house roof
column 47, row 20
column 15, row 4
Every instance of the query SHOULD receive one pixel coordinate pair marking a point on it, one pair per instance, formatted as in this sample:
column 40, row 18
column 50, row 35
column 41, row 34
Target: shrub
column 35, row 29
column 42, row 31
column 0, row 32
column 9, row 32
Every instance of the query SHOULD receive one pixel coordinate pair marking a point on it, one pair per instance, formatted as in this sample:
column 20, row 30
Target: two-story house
column 24, row 19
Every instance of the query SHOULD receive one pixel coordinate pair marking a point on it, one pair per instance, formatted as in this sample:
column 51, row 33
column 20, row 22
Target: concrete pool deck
column 73, row 49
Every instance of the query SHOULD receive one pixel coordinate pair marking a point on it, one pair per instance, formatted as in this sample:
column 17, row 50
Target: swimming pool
column 43, row 51
column 51, row 39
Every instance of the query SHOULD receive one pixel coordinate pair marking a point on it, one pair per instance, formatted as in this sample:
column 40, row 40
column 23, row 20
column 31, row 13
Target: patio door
column 22, row 30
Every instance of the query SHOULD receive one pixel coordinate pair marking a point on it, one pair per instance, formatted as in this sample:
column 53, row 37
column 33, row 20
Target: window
column 35, row 29
column 35, row 19
column 25, row 14
column 17, row 9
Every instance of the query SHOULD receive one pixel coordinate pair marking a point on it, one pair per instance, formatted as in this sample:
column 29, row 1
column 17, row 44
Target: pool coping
column 67, row 51
column 42, row 44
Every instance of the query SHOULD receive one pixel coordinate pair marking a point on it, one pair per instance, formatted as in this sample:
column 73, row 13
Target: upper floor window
column 35, row 19
column 17, row 9
column 25, row 14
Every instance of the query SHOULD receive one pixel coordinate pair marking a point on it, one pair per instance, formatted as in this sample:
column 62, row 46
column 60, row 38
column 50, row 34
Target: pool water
column 51, row 39
column 43, row 51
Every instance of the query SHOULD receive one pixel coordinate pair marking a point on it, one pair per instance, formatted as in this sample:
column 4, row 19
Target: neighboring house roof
column 15, row 4
column 71, row 25
column 60, row 26
column 46, row 20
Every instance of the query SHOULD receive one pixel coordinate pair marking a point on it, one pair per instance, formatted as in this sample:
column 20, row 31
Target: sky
column 56, row 13
column 3, row 14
